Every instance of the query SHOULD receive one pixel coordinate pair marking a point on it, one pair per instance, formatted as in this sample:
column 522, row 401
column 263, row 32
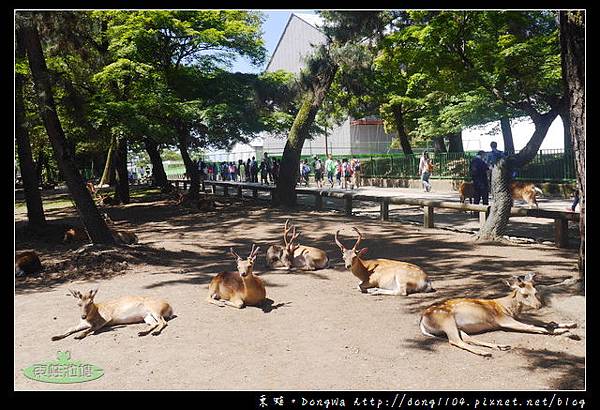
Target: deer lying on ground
column 27, row 263
column 238, row 289
column 293, row 255
column 383, row 276
column 79, row 234
column 126, row 310
column 519, row 190
column 457, row 318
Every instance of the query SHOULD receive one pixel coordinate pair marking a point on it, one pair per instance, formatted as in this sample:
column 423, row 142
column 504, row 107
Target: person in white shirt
column 425, row 171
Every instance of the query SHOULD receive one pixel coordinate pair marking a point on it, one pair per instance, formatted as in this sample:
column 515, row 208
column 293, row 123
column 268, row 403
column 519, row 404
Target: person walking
column 491, row 159
column 254, row 170
column 242, row 170
column 338, row 172
column 346, row 173
column 248, row 177
column 318, row 167
column 479, row 170
column 355, row 165
column 275, row 170
column 268, row 166
column 263, row 173
column 330, row 168
column 425, row 168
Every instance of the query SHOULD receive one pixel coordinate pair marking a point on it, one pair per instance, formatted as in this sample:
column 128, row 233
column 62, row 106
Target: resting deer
column 238, row 289
column 383, row 276
column 79, row 234
column 27, row 263
column 293, row 255
column 456, row 318
column 126, row 310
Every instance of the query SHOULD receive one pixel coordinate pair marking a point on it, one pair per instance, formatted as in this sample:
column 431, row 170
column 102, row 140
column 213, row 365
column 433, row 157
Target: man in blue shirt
column 480, row 180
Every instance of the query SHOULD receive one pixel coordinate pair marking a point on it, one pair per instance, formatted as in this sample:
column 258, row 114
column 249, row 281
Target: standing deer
column 383, row 276
column 293, row 255
column 238, row 289
column 126, row 310
column 456, row 318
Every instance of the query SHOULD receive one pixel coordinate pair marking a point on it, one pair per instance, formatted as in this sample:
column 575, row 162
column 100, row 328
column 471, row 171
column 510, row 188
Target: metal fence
column 547, row 166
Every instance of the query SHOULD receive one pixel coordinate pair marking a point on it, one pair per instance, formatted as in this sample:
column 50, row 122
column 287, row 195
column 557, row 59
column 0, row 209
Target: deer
column 27, row 263
column 519, row 190
column 125, row 310
column 79, row 234
column 457, row 318
column 383, row 276
column 293, row 255
column 238, row 289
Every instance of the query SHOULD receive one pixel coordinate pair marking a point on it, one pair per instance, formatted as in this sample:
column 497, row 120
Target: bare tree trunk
column 509, row 145
column 572, row 40
column 109, row 165
column 33, row 199
column 122, row 187
column 159, row 175
column 439, row 145
column 455, row 142
column 495, row 225
column 191, row 167
column 402, row 135
column 290, row 163
column 92, row 220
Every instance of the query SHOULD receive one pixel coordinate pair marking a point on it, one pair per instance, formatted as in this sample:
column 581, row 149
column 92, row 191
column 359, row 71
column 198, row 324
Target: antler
column 337, row 241
column 235, row 255
column 359, row 238
column 286, row 230
column 254, row 251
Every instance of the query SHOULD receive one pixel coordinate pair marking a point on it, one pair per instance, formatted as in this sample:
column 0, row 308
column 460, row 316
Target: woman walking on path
column 425, row 168
column 330, row 168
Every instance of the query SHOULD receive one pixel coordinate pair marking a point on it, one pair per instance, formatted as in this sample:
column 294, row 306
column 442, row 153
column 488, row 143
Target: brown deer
column 383, row 276
column 519, row 190
column 293, row 255
column 27, row 263
column 238, row 289
column 457, row 318
column 126, row 310
column 79, row 234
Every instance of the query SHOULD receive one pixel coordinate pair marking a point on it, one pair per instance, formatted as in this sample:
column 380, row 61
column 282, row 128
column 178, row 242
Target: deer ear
column 362, row 252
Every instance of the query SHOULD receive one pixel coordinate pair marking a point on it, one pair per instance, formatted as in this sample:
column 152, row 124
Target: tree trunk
column 402, row 135
column 455, row 142
column 439, row 145
column 290, row 162
column 109, row 165
column 509, row 145
column 92, row 220
column 122, row 176
column 191, row 167
column 31, row 182
column 159, row 176
column 572, row 40
column 495, row 225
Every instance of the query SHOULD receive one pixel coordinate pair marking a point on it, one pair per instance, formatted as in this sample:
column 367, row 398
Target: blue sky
column 273, row 26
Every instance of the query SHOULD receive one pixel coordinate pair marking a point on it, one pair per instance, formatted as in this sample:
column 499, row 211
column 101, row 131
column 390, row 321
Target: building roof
column 313, row 19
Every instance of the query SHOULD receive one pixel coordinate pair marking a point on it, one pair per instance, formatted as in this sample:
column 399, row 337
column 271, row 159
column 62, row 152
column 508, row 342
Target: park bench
column 561, row 218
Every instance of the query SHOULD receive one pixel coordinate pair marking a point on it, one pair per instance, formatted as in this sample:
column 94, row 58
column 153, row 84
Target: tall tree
column 572, row 40
column 33, row 198
column 92, row 220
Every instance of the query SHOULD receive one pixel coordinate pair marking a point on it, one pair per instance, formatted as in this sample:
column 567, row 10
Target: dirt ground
column 317, row 332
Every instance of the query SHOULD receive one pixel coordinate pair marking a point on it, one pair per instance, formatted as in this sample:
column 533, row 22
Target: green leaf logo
column 63, row 370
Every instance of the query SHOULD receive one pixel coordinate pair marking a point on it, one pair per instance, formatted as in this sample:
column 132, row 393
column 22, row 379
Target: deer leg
column 236, row 303
column 162, row 323
column 90, row 330
column 473, row 341
column 513, row 324
column 215, row 301
column 454, row 339
column 81, row 326
column 152, row 324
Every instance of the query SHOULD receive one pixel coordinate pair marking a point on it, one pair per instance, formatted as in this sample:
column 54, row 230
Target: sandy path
column 320, row 332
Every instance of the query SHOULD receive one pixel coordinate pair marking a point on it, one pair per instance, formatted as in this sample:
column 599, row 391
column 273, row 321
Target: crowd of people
column 345, row 173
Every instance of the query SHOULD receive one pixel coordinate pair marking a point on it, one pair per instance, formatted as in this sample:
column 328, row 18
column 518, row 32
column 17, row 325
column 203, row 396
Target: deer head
column 524, row 291
column 350, row 255
column 86, row 301
column 245, row 266
column 287, row 254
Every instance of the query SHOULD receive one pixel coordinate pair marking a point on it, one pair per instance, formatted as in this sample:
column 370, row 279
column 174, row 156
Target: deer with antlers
column 238, row 289
column 292, row 255
column 383, row 276
column 457, row 318
column 125, row 310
